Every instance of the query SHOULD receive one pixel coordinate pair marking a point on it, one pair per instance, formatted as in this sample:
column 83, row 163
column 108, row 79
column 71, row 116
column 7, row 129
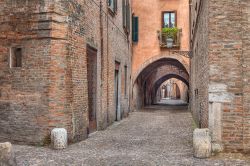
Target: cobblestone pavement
column 152, row 137
column 166, row 101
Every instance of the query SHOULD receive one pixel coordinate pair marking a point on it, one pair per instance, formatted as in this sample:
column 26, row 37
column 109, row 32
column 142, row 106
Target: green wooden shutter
column 124, row 13
column 135, row 29
column 128, row 18
column 115, row 5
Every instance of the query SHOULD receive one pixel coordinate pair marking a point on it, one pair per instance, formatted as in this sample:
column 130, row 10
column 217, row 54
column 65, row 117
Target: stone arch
column 173, row 56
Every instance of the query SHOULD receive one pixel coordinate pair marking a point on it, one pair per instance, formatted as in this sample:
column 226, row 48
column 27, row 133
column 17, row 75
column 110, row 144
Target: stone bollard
column 202, row 143
column 59, row 139
column 216, row 148
column 7, row 157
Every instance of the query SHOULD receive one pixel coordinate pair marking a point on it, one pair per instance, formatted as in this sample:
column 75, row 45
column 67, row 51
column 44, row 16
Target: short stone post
column 202, row 143
column 59, row 139
column 7, row 157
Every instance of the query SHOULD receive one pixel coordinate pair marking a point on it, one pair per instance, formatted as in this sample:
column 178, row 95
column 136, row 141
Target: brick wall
column 246, row 72
column 51, row 88
column 225, row 43
column 24, row 92
column 199, row 64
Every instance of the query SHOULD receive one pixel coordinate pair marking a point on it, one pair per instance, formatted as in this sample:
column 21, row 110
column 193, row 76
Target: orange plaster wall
column 150, row 21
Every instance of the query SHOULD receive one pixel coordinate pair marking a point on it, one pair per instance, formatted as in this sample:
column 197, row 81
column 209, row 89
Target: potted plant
column 169, row 34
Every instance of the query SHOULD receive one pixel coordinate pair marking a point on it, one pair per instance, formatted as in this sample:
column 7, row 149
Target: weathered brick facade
column 199, row 66
column 51, row 88
column 220, row 70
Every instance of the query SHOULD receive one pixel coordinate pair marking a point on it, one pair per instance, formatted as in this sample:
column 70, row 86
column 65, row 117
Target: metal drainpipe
column 107, row 69
column 102, row 59
column 101, row 34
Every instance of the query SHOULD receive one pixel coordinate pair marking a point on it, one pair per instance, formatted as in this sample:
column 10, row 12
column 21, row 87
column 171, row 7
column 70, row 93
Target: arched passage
column 173, row 56
column 152, row 76
column 180, row 89
column 159, row 82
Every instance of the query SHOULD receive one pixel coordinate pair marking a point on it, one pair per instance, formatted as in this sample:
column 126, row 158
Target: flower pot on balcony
column 169, row 42
column 169, row 36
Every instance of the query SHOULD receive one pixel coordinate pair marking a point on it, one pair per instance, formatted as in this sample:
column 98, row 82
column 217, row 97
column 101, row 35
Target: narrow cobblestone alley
column 157, row 135
column 125, row 83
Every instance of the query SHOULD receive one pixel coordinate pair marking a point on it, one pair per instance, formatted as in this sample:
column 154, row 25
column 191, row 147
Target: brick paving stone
column 157, row 135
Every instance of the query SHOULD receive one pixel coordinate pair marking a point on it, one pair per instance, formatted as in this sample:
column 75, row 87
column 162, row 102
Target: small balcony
column 170, row 38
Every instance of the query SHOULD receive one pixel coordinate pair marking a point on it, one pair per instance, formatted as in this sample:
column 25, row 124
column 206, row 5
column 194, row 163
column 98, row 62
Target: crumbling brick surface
column 51, row 88
column 223, row 27
column 199, row 66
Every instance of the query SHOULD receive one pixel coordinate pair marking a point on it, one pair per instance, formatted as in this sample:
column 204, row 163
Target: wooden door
column 92, row 87
column 117, row 67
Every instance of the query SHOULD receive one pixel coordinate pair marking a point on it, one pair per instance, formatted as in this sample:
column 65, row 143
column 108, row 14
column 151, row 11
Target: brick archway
column 166, row 70
column 169, row 76
column 153, row 70
column 183, row 60
column 159, row 82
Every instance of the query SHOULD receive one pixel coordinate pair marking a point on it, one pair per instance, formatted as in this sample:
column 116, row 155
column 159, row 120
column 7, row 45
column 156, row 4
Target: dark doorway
column 92, row 86
column 166, row 92
column 117, row 112
column 178, row 92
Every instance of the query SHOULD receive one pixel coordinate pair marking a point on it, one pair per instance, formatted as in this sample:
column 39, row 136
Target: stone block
column 217, row 148
column 202, row 143
column 59, row 138
column 7, row 157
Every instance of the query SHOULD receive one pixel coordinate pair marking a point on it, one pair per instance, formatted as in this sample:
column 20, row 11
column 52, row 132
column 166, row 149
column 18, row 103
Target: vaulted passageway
column 165, row 75
column 172, row 89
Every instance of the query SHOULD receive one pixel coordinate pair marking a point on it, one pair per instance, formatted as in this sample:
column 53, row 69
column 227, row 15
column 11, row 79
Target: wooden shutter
column 124, row 13
column 115, row 5
column 128, row 18
column 135, row 29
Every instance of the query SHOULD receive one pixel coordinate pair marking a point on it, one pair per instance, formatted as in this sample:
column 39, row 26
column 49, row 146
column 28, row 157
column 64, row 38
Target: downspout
column 107, row 32
column 102, row 59
column 190, row 60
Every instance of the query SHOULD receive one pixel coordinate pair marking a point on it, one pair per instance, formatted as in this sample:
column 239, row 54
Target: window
column 126, row 15
column 112, row 5
column 125, row 80
column 16, row 57
column 135, row 29
column 169, row 19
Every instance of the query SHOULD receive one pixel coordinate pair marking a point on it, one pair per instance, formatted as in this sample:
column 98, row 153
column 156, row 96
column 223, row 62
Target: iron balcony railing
column 176, row 40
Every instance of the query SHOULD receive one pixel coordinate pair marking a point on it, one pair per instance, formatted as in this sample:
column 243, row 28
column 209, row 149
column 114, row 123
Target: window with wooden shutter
column 135, row 29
